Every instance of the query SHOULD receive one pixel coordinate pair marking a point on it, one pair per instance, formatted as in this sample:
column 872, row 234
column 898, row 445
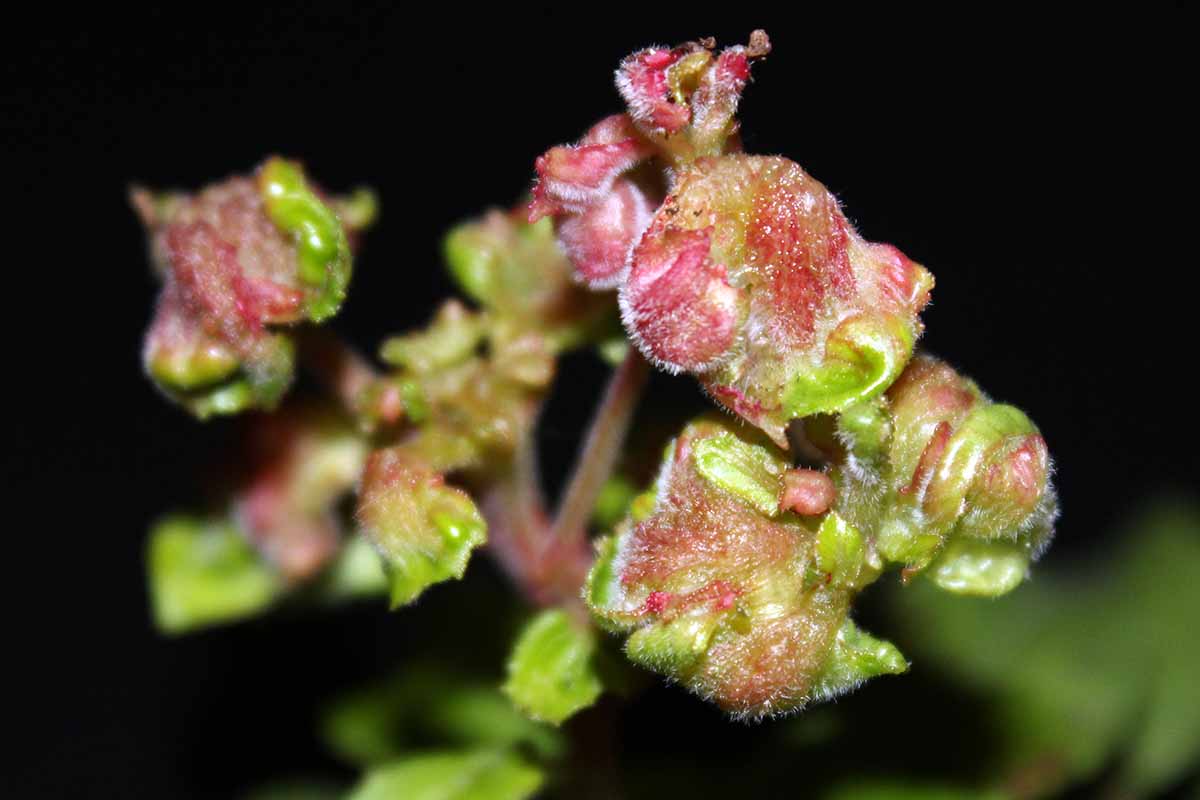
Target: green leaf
column 905, row 789
column 856, row 656
column 840, row 550
column 981, row 568
column 356, row 572
column 322, row 250
column 463, row 775
column 551, row 673
column 1110, row 652
column 424, row 529
column 863, row 356
column 203, row 572
column 427, row 702
column 748, row 471
column 449, row 339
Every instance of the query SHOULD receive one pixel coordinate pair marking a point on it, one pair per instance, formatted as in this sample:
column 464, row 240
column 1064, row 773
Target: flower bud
column 805, row 318
column 239, row 260
column 469, row 386
column 518, row 273
column 599, row 211
column 747, row 274
column 424, row 529
column 685, row 98
column 966, row 482
column 724, row 591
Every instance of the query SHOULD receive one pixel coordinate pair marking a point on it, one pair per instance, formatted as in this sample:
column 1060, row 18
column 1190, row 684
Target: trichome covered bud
column 946, row 480
column 424, row 529
column 240, row 261
column 462, row 396
column 746, row 272
column 721, row 589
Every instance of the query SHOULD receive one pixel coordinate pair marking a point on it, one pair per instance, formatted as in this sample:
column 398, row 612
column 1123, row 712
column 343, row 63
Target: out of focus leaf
column 1084, row 670
column 357, row 571
column 551, row 673
column 464, row 775
column 899, row 789
column 203, row 572
column 613, row 503
column 372, row 725
column 298, row 789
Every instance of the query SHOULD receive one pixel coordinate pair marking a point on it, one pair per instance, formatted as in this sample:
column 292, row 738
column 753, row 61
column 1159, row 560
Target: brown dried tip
column 760, row 44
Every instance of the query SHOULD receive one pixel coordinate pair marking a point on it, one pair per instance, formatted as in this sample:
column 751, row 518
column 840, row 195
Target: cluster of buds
column 740, row 269
column 462, row 398
column 946, row 480
column 735, row 574
column 239, row 261
column 725, row 587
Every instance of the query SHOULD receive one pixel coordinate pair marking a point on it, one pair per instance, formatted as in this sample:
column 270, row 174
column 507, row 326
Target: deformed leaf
column 987, row 569
column 551, row 674
column 452, row 775
column 424, row 529
column 855, row 657
column 716, row 587
column 203, row 572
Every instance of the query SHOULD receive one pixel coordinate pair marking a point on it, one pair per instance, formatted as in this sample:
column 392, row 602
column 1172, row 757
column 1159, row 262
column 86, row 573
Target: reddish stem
column 604, row 440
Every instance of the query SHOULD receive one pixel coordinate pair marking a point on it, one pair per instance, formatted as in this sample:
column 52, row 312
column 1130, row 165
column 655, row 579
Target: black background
column 1033, row 162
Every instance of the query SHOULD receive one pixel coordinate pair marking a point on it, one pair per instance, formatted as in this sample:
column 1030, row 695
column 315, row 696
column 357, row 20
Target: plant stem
column 337, row 365
column 604, row 440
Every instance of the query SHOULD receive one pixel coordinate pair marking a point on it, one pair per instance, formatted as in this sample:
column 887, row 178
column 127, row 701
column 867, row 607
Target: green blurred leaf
column 902, row 789
column 1084, row 670
column 429, row 703
column 467, row 775
column 551, row 673
column 357, row 571
column 203, row 572
column 612, row 505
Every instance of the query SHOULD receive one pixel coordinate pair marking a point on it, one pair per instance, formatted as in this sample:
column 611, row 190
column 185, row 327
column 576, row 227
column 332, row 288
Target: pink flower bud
column 678, row 304
column 807, row 492
column 598, row 212
column 801, row 317
column 238, row 260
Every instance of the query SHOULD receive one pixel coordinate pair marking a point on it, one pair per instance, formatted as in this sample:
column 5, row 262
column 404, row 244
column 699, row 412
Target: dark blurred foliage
column 1033, row 160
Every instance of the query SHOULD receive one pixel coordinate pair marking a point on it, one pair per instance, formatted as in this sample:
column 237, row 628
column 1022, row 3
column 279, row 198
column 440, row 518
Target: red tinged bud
column 598, row 240
column 239, row 260
column 678, row 304
column 807, row 492
column 644, row 81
